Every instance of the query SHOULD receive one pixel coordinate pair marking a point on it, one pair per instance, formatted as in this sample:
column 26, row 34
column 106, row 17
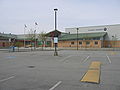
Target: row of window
column 97, row 38
column 87, row 43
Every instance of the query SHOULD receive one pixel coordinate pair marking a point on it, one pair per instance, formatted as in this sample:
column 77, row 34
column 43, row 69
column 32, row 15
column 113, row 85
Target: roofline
column 94, row 26
column 83, row 36
column 87, row 33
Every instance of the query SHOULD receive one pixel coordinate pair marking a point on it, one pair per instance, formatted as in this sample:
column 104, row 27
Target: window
column 96, row 42
column 87, row 43
column 80, row 43
column 97, row 38
column 72, row 43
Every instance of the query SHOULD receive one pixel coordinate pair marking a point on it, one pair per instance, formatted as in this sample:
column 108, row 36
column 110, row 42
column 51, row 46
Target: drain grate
column 31, row 66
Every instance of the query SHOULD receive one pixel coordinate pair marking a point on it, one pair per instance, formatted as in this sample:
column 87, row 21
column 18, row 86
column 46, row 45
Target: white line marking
column 7, row 79
column 108, row 59
column 55, row 85
column 64, row 59
column 86, row 59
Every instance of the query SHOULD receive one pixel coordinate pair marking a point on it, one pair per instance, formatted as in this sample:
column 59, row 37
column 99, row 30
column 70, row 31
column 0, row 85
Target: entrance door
column 3, row 44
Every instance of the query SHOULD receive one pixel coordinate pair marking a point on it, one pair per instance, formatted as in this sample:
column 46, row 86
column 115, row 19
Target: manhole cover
column 31, row 66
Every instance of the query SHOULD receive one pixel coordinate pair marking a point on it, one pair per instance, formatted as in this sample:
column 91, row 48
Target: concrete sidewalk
column 61, row 48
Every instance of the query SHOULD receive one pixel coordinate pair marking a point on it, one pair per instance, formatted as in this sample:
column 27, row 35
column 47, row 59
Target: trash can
column 11, row 48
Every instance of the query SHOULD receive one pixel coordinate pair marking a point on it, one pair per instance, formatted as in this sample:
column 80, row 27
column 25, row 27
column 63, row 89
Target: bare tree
column 42, row 37
column 114, row 40
column 18, row 44
column 31, row 37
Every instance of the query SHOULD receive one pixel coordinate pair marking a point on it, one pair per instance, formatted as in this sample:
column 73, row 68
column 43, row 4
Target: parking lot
column 41, row 70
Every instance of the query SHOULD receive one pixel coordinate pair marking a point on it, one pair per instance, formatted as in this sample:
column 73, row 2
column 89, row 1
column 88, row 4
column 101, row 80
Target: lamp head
column 55, row 9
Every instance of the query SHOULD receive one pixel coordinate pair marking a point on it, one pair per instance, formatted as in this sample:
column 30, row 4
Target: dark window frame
column 80, row 42
column 87, row 42
column 72, row 43
column 96, row 42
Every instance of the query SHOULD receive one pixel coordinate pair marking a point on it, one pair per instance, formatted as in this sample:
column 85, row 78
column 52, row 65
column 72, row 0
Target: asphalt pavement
column 41, row 70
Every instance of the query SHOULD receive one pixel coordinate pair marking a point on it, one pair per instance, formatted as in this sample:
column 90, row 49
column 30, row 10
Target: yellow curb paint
column 95, row 65
column 113, row 53
column 93, row 74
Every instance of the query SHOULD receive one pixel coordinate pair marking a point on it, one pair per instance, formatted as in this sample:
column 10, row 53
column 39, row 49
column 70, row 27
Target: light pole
column 56, row 18
column 77, row 38
column 55, row 36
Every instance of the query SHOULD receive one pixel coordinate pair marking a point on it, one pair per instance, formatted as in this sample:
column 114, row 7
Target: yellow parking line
column 93, row 74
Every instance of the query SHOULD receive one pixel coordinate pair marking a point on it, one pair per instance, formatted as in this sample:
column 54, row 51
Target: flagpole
column 24, row 34
column 24, row 37
column 35, row 34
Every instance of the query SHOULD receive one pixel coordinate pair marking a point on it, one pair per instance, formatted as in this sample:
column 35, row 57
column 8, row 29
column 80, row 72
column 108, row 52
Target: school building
column 105, row 36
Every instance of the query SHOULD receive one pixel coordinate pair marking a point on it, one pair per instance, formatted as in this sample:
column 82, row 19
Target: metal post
column 55, row 44
column 55, row 53
column 77, row 38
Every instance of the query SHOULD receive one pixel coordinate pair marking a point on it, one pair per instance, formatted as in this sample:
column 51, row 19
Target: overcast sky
column 72, row 13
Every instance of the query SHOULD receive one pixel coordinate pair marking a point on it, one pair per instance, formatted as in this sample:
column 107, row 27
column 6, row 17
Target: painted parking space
column 60, row 73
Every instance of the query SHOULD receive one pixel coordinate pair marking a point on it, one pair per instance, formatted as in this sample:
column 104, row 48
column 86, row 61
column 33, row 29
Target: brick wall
column 4, row 44
column 81, row 43
column 111, row 44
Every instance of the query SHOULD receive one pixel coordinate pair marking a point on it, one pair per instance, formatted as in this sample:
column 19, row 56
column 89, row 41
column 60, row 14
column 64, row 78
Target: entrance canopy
column 54, row 33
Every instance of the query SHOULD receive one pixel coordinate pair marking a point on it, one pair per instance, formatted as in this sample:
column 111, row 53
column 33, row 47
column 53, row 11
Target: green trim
column 8, row 35
column 82, row 36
